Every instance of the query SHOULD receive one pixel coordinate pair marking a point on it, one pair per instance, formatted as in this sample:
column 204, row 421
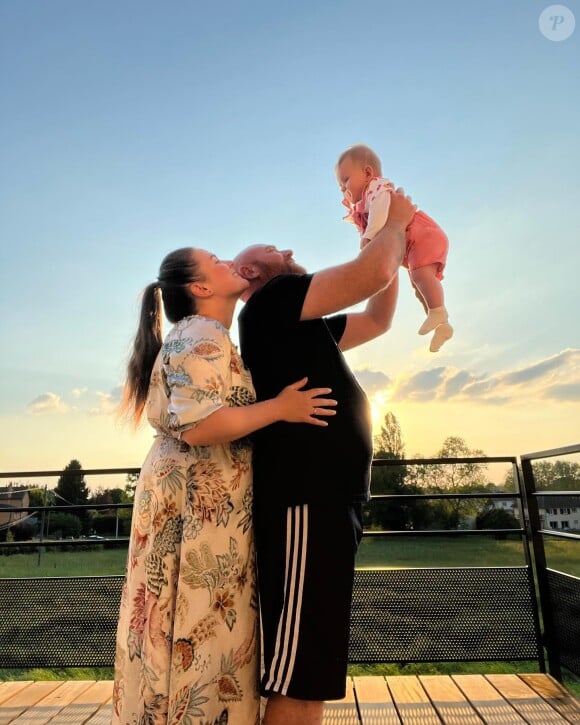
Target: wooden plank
column 449, row 701
column 103, row 716
column 486, row 700
column 51, row 705
column 555, row 695
column 27, row 697
column 342, row 712
column 412, row 701
column 526, row 701
column 375, row 704
column 85, row 705
column 10, row 688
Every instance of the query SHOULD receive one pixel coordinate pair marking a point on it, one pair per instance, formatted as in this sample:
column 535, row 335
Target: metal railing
column 531, row 534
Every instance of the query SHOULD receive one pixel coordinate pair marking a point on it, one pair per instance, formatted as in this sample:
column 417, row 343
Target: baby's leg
column 425, row 280
column 419, row 296
column 428, row 284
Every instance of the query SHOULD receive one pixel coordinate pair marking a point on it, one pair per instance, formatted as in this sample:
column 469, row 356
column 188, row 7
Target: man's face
column 270, row 261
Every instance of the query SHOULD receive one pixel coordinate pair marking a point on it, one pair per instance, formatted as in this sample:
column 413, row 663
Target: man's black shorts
column 306, row 559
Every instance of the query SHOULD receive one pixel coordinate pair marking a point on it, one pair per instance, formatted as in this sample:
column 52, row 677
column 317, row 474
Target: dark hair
column 177, row 271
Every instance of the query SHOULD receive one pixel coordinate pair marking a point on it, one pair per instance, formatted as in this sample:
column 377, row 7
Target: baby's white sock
column 436, row 316
column 443, row 332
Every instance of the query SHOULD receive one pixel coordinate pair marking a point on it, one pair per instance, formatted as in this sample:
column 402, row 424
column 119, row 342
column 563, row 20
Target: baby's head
column 355, row 168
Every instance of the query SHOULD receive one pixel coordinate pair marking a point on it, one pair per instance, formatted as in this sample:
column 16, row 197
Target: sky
column 133, row 128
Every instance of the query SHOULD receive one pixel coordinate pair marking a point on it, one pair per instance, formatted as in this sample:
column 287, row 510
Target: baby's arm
column 379, row 201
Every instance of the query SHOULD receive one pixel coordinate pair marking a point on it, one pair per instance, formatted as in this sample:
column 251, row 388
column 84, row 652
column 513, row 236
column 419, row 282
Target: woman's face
column 219, row 275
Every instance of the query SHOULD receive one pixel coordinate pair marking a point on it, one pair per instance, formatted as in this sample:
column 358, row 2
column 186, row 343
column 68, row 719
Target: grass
column 66, row 673
column 398, row 553
column 374, row 552
column 101, row 562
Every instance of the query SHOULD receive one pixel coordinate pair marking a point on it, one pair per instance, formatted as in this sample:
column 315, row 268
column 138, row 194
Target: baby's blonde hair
column 361, row 154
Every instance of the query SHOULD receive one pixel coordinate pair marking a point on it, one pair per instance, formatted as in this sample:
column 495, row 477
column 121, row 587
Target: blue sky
column 133, row 128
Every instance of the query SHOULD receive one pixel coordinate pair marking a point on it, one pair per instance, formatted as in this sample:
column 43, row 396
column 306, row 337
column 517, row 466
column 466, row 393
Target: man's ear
column 248, row 271
column 198, row 289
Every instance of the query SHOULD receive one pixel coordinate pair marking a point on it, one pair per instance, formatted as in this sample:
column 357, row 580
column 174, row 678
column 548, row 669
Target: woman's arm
column 291, row 405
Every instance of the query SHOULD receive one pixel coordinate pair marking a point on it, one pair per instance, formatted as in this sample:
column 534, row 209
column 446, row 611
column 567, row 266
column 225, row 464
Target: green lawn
column 101, row 562
column 374, row 552
column 402, row 552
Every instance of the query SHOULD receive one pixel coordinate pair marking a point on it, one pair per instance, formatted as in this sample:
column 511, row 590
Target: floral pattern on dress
column 187, row 643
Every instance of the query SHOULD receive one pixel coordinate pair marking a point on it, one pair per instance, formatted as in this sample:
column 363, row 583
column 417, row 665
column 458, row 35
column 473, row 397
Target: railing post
column 526, row 537
column 533, row 526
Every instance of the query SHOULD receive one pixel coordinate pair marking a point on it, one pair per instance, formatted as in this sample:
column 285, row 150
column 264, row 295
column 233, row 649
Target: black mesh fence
column 60, row 622
column 565, row 601
column 443, row 614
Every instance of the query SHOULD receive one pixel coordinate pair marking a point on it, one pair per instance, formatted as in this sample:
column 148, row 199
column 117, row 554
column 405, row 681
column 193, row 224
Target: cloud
column 47, row 403
column 372, row 381
column 541, row 369
column 421, row 386
column 107, row 402
column 566, row 391
column 555, row 378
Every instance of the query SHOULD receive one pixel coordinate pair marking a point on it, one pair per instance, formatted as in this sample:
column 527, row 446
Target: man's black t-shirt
column 296, row 462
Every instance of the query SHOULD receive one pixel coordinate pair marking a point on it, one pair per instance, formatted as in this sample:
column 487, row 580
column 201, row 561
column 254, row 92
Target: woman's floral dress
column 187, row 643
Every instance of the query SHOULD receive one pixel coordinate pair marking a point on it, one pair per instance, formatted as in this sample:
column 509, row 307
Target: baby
column 367, row 197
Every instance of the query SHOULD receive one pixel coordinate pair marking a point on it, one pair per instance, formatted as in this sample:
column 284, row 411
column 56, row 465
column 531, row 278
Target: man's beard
column 288, row 266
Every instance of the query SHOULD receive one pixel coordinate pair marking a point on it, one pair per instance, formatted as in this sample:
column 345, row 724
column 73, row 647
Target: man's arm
column 336, row 288
column 374, row 321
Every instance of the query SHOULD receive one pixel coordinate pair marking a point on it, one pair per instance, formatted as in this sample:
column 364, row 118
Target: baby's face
column 353, row 179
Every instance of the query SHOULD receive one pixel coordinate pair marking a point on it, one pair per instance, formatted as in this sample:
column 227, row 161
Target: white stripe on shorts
column 283, row 659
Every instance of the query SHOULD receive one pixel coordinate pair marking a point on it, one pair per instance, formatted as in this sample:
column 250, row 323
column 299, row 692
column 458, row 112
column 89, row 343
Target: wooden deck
column 423, row 700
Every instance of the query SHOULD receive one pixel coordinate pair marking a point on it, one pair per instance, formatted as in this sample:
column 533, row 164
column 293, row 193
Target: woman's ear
column 198, row 289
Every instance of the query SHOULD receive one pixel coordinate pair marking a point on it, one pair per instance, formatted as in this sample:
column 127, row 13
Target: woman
column 187, row 643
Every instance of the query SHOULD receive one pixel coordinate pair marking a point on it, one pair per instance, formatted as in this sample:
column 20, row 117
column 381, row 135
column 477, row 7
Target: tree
column 392, row 513
column 551, row 476
column 130, row 487
column 39, row 495
column 389, row 442
column 493, row 518
column 455, row 478
column 72, row 489
column 62, row 525
column 101, row 496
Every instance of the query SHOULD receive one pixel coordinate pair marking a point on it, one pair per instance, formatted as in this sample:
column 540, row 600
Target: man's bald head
column 260, row 263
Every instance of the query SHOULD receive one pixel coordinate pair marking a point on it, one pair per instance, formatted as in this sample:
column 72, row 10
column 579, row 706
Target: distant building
column 559, row 512
column 12, row 497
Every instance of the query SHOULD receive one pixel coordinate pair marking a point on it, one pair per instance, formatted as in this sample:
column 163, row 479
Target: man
column 310, row 481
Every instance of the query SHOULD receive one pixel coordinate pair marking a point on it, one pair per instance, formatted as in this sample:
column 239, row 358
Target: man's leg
column 305, row 593
column 282, row 710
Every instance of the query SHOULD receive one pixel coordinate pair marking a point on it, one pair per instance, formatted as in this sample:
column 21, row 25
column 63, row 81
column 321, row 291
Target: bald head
column 249, row 255
column 260, row 263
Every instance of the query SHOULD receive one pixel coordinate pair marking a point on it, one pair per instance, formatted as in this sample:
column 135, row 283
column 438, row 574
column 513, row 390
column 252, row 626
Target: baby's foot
column 443, row 333
column 436, row 317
